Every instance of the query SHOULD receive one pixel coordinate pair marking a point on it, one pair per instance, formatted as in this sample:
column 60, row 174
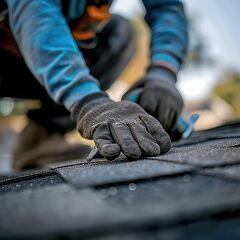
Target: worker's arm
column 169, row 27
column 169, row 41
column 52, row 55
column 49, row 50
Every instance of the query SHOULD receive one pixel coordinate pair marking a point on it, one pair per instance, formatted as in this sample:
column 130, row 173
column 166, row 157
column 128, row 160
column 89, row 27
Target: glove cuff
column 88, row 103
column 153, row 72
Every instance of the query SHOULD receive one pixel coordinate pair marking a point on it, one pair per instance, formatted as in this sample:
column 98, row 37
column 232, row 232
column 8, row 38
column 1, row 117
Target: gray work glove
column 119, row 127
column 160, row 98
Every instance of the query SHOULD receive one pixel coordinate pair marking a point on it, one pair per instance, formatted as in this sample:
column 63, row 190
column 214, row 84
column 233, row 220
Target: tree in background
column 229, row 90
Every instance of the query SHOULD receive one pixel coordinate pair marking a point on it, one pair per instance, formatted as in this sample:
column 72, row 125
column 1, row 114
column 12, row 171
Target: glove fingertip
column 111, row 151
column 159, row 134
column 165, row 144
column 152, row 150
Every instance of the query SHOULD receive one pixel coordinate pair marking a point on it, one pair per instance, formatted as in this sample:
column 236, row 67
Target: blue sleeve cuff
column 75, row 94
column 167, row 61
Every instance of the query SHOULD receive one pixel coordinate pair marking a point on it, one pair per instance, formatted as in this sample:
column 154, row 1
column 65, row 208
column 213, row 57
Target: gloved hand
column 160, row 98
column 119, row 127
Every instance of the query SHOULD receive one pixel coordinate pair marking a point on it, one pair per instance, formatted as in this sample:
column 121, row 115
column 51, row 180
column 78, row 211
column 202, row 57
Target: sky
column 218, row 22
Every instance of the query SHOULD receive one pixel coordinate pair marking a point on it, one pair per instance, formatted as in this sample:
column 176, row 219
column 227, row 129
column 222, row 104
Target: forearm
column 49, row 50
column 168, row 23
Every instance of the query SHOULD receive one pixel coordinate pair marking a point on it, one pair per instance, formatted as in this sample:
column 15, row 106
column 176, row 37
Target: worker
column 67, row 53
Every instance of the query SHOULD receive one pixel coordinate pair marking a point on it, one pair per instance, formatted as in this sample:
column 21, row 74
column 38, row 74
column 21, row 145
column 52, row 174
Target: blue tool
column 183, row 127
column 186, row 127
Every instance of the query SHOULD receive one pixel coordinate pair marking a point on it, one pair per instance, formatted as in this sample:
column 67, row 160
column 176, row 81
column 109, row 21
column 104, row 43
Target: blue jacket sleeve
column 168, row 23
column 49, row 50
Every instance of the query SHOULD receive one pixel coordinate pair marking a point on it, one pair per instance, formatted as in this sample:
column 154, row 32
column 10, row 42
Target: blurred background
column 209, row 81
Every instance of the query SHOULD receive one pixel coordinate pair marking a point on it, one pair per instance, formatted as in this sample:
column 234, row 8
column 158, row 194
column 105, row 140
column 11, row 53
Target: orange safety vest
column 94, row 20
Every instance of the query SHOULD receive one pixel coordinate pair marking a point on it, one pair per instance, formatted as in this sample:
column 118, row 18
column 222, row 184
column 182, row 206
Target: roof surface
column 192, row 192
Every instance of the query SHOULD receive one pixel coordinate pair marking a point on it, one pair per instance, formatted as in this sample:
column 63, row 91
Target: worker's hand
column 160, row 98
column 119, row 127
